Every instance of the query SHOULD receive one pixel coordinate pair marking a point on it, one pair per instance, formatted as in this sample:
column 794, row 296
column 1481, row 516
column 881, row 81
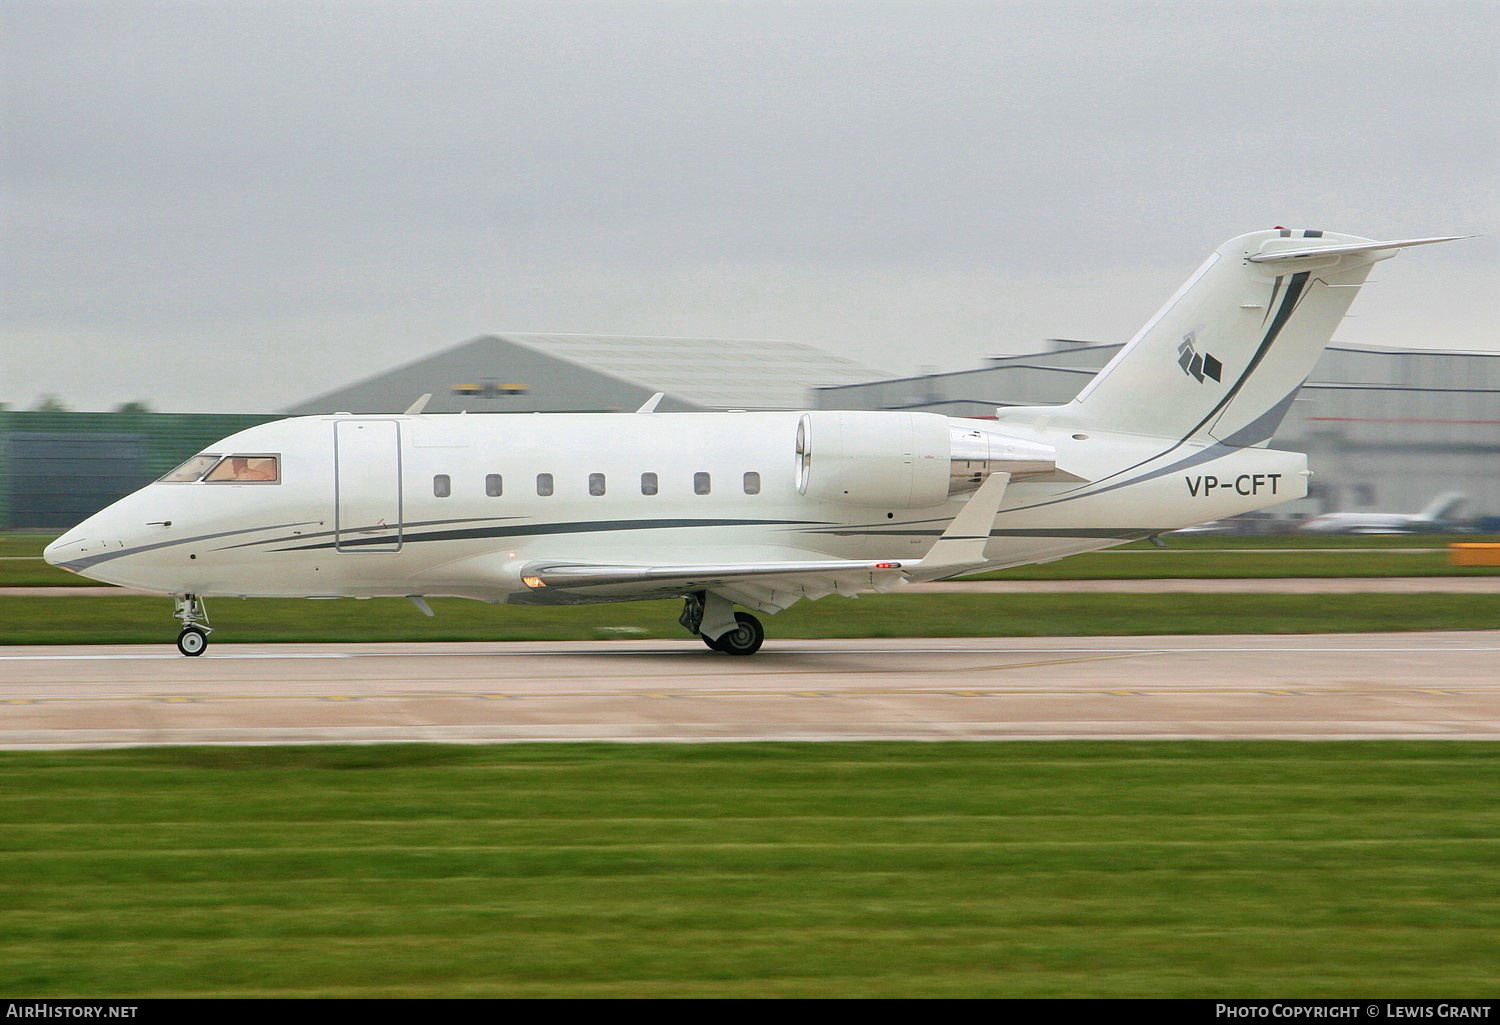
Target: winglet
column 961, row 546
column 649, row 406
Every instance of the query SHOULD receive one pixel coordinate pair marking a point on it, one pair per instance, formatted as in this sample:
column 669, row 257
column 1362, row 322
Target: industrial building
column 1385, row 430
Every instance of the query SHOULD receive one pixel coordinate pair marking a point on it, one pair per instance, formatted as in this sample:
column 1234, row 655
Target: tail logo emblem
column 1195, row 365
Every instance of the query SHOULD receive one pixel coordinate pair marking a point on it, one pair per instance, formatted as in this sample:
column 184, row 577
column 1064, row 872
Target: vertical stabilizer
column 1222, row 360
column 1442, row 507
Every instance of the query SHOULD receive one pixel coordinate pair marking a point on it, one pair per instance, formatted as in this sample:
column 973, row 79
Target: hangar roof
column 527, row 372
column 739, row 373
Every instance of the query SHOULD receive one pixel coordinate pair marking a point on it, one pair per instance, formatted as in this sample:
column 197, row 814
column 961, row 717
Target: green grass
column 1298, row 542
column 1205, row 564
column 881, row 870
column 24, row 543
column 17, row 572
column 1205, row 557
column 21, row 563
column 143, row 620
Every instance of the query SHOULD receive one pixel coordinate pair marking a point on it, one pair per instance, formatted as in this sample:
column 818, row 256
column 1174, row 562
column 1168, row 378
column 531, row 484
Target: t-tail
column 1223, row 359
column 1442, row 507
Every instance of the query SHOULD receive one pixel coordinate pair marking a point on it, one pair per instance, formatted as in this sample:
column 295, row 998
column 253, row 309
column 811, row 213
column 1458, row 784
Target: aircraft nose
column 68, row 547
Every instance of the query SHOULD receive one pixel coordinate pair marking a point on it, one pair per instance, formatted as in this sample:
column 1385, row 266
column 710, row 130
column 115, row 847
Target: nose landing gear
column 193, row 638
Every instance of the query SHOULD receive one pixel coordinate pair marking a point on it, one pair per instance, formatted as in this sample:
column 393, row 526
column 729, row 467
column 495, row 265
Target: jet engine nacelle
column 904, row 460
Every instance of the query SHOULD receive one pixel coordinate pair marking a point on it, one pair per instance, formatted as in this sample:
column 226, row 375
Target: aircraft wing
column 772, row 585
column 766, row 586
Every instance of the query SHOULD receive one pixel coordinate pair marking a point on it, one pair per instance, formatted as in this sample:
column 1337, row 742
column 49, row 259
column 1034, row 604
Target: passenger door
column 367, row 485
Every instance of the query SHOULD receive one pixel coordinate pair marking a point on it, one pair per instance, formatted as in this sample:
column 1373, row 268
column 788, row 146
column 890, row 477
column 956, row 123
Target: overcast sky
column 233, row 206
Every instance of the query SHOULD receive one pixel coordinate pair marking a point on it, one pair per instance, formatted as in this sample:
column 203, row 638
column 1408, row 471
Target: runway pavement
column 1411, row 685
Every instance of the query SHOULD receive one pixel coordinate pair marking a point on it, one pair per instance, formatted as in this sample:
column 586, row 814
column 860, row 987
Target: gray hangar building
column 1385, row 430
column 535, row 373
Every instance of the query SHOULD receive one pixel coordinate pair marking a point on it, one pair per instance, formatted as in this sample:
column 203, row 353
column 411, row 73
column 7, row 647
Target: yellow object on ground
column 1474, row 554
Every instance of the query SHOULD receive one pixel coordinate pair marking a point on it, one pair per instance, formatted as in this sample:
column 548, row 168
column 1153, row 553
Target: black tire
column 745, row 639
column 713, row 645
column 192, row 641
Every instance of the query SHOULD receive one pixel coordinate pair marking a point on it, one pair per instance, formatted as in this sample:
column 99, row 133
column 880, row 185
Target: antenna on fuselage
column 415, row 409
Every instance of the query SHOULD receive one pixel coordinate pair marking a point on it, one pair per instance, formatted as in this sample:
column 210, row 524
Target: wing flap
column 768, row 586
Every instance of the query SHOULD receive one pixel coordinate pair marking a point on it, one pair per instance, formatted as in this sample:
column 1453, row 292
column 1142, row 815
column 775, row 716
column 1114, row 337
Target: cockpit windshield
column 191, row 470
column 257, row 469
column 213, row 468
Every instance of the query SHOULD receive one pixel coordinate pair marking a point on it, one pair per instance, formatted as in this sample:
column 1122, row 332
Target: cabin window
column 493, row 486
column 752, row 483
column 648, row 484
column 442, row 485
column 191, row 470
column 596, row 484
column 544, row 484
column 701, row 483
column 256, row 469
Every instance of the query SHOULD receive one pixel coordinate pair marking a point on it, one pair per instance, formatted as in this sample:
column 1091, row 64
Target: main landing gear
column 193, row 638
column 745, row 639
column 719, row 626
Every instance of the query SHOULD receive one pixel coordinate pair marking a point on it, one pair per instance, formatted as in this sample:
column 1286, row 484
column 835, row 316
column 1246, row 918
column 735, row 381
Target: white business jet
column 1431, row 518
column 755, row 509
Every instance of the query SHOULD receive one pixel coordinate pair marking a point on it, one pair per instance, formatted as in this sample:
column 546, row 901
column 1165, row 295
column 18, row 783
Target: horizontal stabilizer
column 1301, row 253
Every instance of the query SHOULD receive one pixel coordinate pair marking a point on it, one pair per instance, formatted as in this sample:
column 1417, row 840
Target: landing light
column 533, row 582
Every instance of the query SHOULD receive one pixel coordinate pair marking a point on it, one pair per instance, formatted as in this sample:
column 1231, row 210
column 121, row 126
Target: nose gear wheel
column 192, row 640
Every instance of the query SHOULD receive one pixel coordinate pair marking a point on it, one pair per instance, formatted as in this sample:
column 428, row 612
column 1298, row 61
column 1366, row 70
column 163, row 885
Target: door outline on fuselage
column 367, row 509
